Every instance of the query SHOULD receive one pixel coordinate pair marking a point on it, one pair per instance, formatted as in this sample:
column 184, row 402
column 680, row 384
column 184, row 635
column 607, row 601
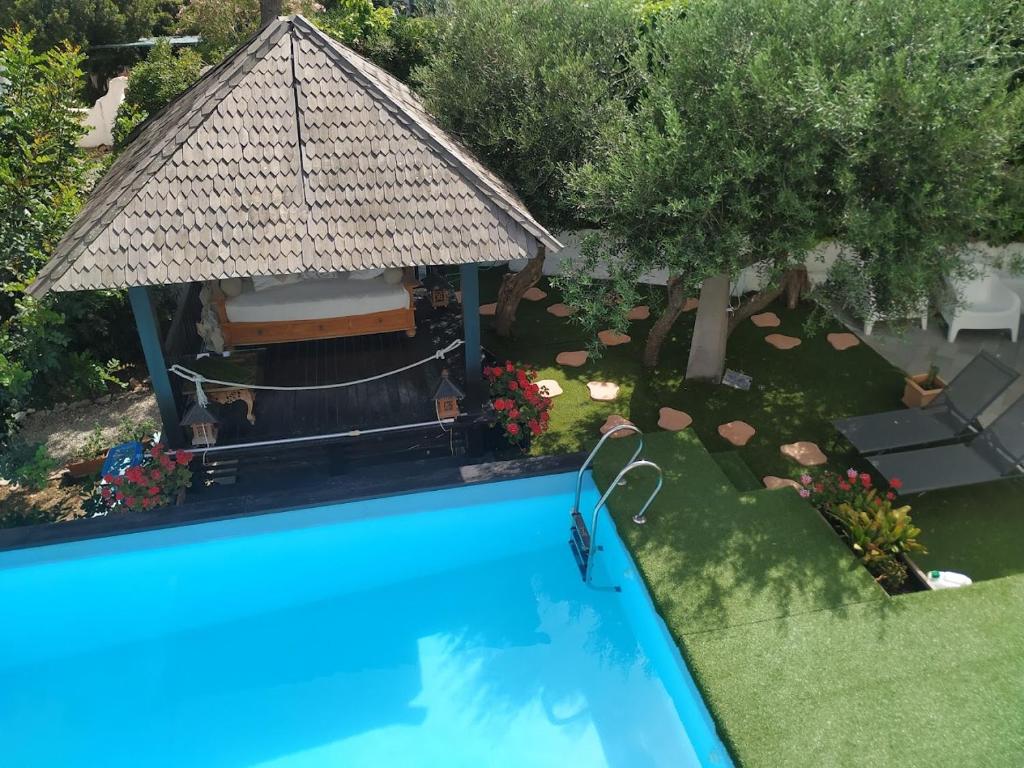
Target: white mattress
column 316, row 300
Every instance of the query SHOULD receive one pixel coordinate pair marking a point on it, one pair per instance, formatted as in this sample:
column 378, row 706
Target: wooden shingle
column 294, row 154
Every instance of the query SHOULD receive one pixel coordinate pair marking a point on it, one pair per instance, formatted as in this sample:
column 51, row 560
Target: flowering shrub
column 877, row 530
column 154, row 483
column 522, row 410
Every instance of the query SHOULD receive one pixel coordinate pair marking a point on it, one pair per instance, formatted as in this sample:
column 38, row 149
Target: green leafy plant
column 931, row 380
column 877, row 530
column 28, row 464
column 135, row 430
column 95, row 445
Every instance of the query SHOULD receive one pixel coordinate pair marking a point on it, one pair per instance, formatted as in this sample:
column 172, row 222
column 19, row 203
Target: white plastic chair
column 983, row 304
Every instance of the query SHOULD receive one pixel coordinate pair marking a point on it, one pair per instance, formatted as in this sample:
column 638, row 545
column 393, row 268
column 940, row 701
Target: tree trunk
column 513, row 286
column 663, row 325
column 758, row 302
column 793, row 285
column 710, row 332
column 269, row 10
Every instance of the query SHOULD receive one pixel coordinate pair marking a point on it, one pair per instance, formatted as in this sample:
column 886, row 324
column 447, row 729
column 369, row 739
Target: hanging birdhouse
column 439, row 289
column 447, row 397
column 203, row 425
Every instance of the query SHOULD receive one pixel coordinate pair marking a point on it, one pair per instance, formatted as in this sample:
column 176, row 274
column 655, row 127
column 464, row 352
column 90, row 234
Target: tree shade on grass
column 801, row 658
column 796, row 395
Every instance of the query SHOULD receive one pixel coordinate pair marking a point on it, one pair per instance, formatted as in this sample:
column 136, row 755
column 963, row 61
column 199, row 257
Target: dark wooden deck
column 402, row 399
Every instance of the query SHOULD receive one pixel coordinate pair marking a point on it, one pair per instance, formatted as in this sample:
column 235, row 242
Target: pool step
column 739, row 474
column 579, row 543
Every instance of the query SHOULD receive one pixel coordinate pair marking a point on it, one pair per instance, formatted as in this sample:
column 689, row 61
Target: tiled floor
column 913, row 350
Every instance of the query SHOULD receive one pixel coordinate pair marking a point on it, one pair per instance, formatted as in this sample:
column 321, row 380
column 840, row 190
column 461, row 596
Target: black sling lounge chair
column 950, row 416
column 995, row 453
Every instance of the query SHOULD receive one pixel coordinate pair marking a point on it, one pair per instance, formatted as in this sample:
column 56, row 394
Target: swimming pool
column 447, row 628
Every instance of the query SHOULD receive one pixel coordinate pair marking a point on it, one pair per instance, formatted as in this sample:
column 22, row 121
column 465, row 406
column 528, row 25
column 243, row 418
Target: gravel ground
column 65, row 428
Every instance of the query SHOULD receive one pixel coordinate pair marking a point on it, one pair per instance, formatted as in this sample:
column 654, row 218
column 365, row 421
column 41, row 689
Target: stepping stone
column 673, row 420
column 773, row 483
column 560, row 310
column 766, row 320
column 781, row 341
column 549, row 387
column 488, row 310
column 612, row 338
column 613, row 421
column 604, row 391
column 691, row 304
column 535, row 294
column 804, row 453
column 737, row 432
column 639, row 313
column 572, row 359
column 842, row 341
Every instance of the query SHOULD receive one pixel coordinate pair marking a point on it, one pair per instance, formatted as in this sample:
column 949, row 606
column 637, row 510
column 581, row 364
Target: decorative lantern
column 440, row 290
column 447, row 397
column 203, row 425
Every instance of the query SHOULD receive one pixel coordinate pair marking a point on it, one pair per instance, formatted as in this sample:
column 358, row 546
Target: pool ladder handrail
column 639, row 518
column 590, row 458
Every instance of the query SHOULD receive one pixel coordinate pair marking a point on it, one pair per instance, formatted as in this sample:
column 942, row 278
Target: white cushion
column 366, row 274
column 316, row 300
column 267, row 282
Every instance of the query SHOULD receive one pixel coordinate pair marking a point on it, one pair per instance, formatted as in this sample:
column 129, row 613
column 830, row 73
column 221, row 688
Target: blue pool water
column 448, row 628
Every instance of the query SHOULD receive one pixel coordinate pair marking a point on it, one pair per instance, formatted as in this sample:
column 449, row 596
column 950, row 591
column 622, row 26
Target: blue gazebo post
column 470, row 279
column 149, row 335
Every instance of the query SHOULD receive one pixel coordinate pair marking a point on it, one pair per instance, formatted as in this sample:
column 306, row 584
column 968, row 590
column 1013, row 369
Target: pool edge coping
column 334, row 491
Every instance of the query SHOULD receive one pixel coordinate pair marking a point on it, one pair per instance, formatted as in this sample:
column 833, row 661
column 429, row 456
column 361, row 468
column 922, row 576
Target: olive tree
column 717, row 168
column 769, row 124
column 529, row 86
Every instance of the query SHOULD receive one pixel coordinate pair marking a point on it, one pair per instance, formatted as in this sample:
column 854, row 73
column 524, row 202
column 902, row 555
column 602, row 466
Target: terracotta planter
column 915, row 396
column 80, row 469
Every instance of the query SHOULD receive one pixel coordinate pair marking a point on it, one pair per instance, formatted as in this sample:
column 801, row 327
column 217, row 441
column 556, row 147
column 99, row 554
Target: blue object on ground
column 121, row 458
column 443, row 629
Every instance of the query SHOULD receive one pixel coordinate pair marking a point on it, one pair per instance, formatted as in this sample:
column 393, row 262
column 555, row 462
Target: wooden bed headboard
column 281, row 331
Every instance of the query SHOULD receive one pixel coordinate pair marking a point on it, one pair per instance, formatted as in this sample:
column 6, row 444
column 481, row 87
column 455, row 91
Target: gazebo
column 299, row 161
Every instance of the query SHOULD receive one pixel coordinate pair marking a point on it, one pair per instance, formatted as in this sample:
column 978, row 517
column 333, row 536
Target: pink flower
column 852, row 474
column 896, row 483
column 844, row 486
column 804, row 493
column 805, row 479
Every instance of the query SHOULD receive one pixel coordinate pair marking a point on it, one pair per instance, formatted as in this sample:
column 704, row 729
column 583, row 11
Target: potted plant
column 88, row 459
column 922, row 388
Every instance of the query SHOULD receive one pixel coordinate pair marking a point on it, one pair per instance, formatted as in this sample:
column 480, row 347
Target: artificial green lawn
column 796, row 395
column 801, row 658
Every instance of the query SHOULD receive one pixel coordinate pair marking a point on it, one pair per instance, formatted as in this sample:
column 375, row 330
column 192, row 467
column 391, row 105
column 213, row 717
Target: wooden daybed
column 318, row 308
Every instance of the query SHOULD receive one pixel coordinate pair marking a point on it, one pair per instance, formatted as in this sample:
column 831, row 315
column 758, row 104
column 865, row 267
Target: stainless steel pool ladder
column 583, row 540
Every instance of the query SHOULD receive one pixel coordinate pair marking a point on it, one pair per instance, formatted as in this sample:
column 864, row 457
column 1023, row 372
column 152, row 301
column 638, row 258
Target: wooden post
column 470, row 280
column 149, row 335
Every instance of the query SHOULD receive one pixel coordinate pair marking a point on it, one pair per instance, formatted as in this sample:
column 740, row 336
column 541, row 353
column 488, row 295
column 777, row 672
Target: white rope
column 198, row 379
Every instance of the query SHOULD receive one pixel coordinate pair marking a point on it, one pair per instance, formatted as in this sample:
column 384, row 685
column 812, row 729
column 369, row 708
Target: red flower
column 843, row 485
column 514, row 413
column 509, row 367
column 865, row 479
column 153, row 490
column 119, row 496
column 818, row 487
column 513, row 429
column 108, row 478
column 130, row 501
column 512, row 386
column 147, row 503
column 105, row 493
column 890, row 495
column 896, row 483
column 499, row 404
column 157, row 449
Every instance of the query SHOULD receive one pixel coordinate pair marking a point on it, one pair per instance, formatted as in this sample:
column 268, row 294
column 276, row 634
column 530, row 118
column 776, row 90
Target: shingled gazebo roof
column 293, row 155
